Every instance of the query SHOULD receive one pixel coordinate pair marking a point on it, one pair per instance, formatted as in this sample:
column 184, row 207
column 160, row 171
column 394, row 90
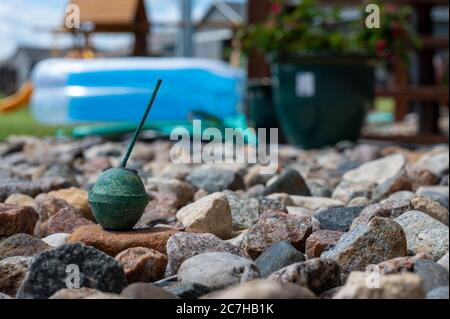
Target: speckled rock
column 345, row 191
column 377, row 171
column 289, row 182
column 267, row 204
column 142, row 264
column 338, row 218
column 432, row 274
column 424, row 234
column 113, row 243
column 182, row 246
column 379, row 240
column 65, row 221
column 315, row 203
column 364, row 285
column 210, row 214
column 215, row 180
column 401, row 195
column 77, row 198
column 400, row 264
column 217, row 270
column 388, row 209
column 22, row 245
column 20, row 200
column 9, row 186
column 183, row 192
column 444, row 261
column 17, row 219
column 48, row 206
column 438, row 293
column 277, row 256
column 47, row 274
column 263, row 289
column 320, row 241
column 400, row 182
column 432, row 208
column 436, row 161
column 162, row 207
column 359, row 201
column 12, row 273
column 273, row 227
column 244, row 211
column 282, row 197
column 141, row 290
column 315, row 274
column 439, row 194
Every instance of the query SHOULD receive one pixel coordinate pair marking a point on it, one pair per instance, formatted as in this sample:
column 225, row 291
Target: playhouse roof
column 113, row 15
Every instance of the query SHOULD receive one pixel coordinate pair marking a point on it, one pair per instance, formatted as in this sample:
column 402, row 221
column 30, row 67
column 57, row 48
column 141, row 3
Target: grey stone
column 277, row 256
column 217, row 270
column 338, row 218
column 424, row 234
column 444, row 261
column 388, row 209
column 182, row 246
column 215, row 180
column 438, row 293
column 289, row 182
column 244, row 211
column 379, row 240
column 432, row 274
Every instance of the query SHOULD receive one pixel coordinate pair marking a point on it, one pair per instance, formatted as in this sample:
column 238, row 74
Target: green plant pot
column 261, row 108
column 321, row 100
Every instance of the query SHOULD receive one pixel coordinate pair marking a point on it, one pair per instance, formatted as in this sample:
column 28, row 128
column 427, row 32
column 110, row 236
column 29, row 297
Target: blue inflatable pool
column 71, row 91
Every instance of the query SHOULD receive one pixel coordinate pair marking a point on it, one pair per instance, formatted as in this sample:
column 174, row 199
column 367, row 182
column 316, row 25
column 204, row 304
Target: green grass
column 21, row 122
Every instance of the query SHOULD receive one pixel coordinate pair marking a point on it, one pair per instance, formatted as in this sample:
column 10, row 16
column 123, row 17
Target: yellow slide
column 19, row 99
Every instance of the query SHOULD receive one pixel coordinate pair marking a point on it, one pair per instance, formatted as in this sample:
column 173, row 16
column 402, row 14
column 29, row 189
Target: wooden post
column 429, row 111
column 258, row 10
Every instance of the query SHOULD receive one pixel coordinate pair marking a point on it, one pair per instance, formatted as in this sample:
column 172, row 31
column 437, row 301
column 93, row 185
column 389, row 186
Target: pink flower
column 275, row 8
column 380, row 46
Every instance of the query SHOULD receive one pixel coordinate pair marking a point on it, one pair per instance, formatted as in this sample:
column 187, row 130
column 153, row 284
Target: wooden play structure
column 114, row 16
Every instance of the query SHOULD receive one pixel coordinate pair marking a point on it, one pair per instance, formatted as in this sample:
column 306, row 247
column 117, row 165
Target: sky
column 27, row 22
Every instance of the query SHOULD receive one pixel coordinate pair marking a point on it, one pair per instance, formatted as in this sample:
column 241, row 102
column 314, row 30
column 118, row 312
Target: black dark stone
column 215, row 180
column 188, row 291
column 47, row 274
column 338, row 218
column 278, row 256
column 289, row 182
column 432, row 274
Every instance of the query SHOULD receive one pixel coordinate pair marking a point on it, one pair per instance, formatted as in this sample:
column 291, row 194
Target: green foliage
column 309, row 27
